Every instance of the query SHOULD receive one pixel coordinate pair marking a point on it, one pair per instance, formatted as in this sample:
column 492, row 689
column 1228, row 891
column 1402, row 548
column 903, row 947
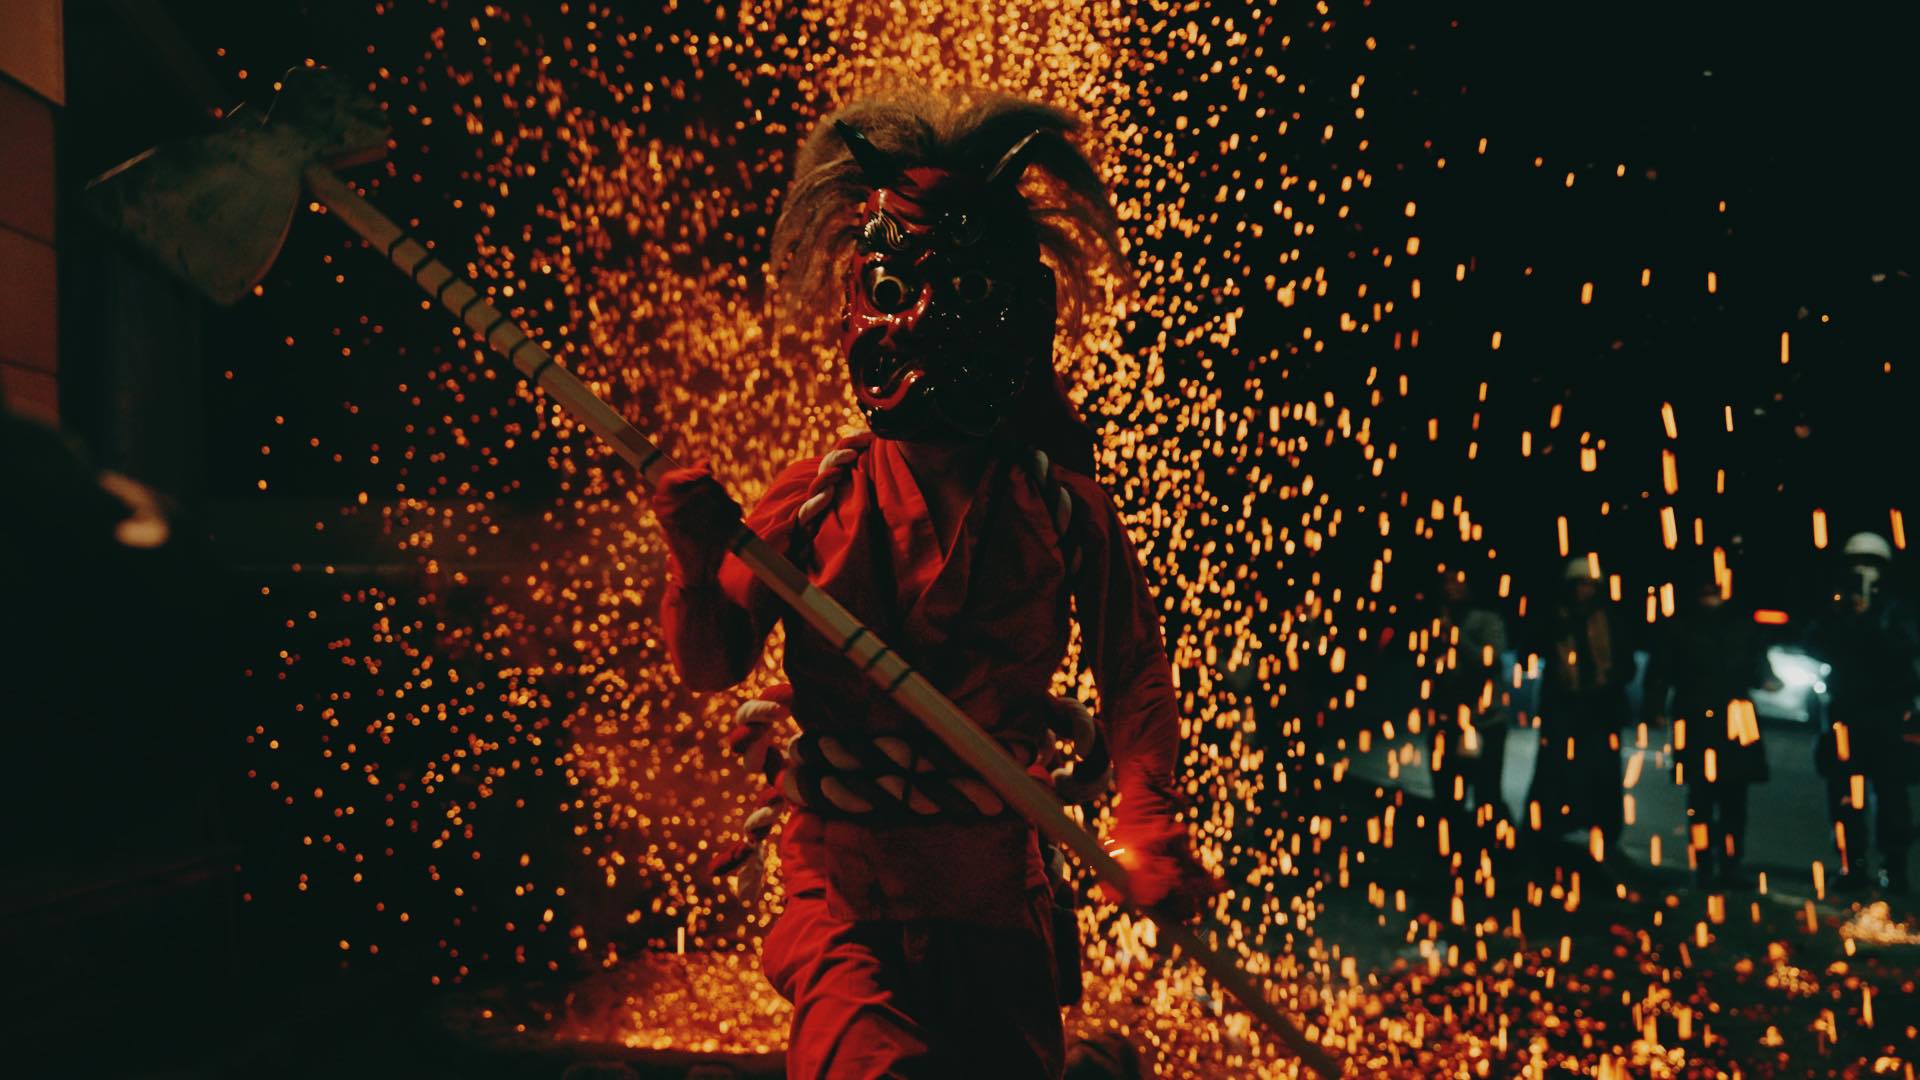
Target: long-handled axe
column 215, row 210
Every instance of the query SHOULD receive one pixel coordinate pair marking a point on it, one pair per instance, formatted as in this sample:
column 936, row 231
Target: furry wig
column 818, row 224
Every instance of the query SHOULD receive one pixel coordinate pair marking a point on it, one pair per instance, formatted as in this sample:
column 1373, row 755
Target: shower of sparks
column 499, row 736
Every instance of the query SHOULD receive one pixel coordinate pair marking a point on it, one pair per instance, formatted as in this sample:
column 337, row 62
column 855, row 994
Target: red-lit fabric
column 915, row 1000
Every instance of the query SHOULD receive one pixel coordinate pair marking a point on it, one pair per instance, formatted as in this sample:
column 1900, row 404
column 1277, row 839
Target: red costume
column 917, row 941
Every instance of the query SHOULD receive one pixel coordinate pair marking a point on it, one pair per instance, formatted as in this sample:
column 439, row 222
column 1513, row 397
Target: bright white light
column 1796, row 670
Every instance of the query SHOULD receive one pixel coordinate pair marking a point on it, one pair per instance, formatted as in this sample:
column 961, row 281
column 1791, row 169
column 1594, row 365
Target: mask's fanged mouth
column 887, row 379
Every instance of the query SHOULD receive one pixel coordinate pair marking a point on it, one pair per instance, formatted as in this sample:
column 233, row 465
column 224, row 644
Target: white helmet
column 1578, row 568
column 1867, row 545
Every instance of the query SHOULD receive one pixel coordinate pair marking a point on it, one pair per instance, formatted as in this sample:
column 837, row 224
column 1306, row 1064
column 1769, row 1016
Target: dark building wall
column 29, row 315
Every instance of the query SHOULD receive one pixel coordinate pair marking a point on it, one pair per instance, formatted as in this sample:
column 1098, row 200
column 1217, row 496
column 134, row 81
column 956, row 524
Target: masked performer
column 918, row 935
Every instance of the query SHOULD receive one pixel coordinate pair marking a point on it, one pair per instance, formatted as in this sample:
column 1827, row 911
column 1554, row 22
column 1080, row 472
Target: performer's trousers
column 1720, row 806
column 1892, row 809
column 1481, row 774
column 887, row 1000
column 1579, row 788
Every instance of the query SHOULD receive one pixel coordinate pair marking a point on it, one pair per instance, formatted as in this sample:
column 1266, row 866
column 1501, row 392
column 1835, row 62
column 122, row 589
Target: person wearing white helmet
column 1868, row 750
column 1868, row 557
column 1585, row 648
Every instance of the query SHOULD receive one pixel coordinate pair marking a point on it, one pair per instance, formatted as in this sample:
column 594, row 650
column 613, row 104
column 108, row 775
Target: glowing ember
column 1874, row 924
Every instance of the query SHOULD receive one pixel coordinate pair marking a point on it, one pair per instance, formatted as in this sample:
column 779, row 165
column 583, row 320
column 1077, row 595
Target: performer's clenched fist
column 699, row 518
column 1162, row 871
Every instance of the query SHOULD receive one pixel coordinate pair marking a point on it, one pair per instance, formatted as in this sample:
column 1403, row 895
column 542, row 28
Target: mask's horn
column 878, row 165
column 1013, row 164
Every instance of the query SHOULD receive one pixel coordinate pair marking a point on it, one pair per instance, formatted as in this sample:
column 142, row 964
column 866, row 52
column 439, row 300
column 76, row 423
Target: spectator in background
column 1702, row 668
column 1468, row 716
column 1867, row 753
column 1586, row 656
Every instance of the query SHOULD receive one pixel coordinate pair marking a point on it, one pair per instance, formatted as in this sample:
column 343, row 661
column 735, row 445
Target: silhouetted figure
column 1702, row 669
column 1586, row 656
column 1467, row 714
column 1867, row 753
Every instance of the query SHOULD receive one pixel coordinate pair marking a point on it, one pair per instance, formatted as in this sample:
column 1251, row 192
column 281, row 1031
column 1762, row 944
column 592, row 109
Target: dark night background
column 149, row 901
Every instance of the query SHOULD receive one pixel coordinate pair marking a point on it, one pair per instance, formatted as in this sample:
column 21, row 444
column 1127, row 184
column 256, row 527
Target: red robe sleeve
column 715, row 634
column 1120, row 634
column 1122, row 644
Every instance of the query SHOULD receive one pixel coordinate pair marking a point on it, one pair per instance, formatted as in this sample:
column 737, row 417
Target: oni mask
column 949, row 310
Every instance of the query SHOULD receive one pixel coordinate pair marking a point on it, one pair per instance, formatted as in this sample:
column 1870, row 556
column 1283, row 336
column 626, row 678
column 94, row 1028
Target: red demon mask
column 949, row 309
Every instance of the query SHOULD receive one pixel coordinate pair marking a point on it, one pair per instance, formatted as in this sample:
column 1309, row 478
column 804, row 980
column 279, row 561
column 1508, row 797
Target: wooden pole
column 861, row 646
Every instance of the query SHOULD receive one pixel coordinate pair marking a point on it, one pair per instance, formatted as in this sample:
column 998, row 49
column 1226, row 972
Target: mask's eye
column 887, row 290
column 972, row 286
column 964, row 230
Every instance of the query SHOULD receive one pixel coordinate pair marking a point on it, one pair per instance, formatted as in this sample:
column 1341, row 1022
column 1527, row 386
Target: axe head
column 214, row 210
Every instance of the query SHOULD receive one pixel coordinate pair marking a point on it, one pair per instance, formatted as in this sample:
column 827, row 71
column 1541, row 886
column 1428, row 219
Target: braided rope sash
column 886, row 778
column 891, row 777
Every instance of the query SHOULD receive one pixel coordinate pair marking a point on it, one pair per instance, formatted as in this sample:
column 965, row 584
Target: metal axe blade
column 215, row 210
